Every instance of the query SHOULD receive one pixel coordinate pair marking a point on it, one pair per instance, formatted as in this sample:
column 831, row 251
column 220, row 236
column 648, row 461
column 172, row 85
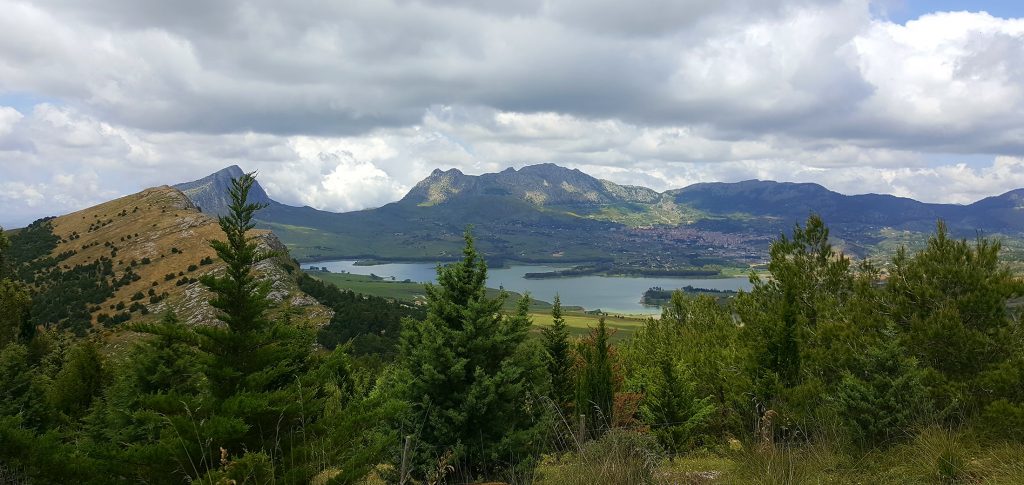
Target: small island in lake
column 657, row 296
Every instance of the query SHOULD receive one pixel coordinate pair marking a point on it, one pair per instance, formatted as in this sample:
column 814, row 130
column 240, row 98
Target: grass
column 931, row 456
column 618, row 457
column 648, row 215
column 369, row 286
column 580, row 323
column 163, row 234
column 402, row 290
column 695, row 468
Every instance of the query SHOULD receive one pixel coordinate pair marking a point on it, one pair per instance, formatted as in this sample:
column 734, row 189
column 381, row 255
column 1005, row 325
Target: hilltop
column 210, row 194
column 544, row 185
column 132, row 258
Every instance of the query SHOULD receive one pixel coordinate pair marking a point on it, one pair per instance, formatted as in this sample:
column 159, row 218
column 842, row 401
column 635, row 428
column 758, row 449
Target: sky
column 344, row 105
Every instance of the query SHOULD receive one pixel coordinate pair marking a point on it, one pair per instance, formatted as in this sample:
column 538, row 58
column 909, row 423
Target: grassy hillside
column 140, row 255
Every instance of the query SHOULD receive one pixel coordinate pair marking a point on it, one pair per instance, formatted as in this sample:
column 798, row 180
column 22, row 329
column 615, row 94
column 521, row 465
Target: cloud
column 8, row 118
column 946, row 82
column 810, row 68
column 350, row 173
column 343, row 106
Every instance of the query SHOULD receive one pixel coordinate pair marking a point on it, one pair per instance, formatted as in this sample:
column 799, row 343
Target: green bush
column 1002, row 420
column 884, row 398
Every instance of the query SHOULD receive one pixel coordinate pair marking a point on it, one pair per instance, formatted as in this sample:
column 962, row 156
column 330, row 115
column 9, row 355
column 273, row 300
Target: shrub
column 885, row 398
column 1003, row 419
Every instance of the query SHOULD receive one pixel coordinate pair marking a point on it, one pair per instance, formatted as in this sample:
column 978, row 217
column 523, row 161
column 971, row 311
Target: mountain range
column 548, row 213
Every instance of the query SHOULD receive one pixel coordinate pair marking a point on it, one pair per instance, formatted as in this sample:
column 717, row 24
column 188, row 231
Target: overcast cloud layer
column 345, row 105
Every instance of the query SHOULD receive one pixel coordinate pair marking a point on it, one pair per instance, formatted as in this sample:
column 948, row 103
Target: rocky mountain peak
column 542, row 184
column 210, row 193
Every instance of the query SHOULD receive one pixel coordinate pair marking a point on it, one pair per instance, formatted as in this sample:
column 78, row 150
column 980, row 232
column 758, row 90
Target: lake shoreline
column 573, row 269
column 611, row 294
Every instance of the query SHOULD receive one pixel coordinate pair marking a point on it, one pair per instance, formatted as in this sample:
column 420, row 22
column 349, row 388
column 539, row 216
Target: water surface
column 614, row 294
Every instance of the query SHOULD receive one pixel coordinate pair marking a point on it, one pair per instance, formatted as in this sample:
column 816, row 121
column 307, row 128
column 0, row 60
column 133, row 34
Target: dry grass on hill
column 164, row 239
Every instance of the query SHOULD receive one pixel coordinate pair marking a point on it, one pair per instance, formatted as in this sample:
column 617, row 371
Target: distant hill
column 543, row 185
column 548, row 213
column 210, row 193
column 133, row 258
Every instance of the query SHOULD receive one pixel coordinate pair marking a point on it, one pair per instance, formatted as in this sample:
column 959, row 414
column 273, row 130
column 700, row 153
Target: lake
column 613, row 294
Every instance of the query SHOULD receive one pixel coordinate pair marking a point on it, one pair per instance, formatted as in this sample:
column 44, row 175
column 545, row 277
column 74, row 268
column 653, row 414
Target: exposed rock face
column 544, row 184
column 210, row 193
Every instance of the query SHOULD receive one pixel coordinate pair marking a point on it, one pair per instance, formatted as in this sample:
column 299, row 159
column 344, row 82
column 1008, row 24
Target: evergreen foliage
column 15, row 300
column 63, row 297
column 253, row 364
column 473, row 379
column 671, row 406
column 14, row 312
column 370, row 324
column 79, row 381
column 949, row 302
column 810, row 283
column 5, row 247
column 595, row 382
column 559, row 358
column 688, row 365
column 151, row 406
column 883, row 395
column 29, row 247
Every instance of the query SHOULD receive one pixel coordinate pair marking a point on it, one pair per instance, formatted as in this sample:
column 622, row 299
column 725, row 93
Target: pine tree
column 14, row 300
column 595, row 384
column 949, row 302
column 559, row 360
column 251, row 362
column 145, row 428
column 471, row 373
column 810, row 282
column 79, row 381
column 14, row 306
column 671, row 406
column 883, row 395
column 951, row 299
column 691, row 351
column 5, row 245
